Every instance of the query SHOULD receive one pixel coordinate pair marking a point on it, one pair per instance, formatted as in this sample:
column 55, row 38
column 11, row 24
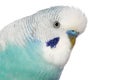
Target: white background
column 96, row 55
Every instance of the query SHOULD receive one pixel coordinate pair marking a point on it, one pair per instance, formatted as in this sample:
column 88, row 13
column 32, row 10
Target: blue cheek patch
column 53, row 42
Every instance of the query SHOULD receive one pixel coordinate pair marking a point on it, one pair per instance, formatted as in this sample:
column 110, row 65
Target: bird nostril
column 72, row 33
column 73, row 30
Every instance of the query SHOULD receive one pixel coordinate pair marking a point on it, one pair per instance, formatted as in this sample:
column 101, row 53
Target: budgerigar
column 37, row 47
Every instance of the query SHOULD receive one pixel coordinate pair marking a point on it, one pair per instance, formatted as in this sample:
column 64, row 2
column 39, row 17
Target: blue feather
column 26, row 63
column 53, row 42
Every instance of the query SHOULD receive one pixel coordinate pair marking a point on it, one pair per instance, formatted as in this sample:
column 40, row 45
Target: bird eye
column 56, row 24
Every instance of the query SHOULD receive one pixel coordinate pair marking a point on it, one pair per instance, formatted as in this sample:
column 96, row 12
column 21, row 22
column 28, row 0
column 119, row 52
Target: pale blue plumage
column 26, row 63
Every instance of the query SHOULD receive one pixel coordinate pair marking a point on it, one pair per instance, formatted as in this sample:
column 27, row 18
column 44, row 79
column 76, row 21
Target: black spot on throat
column 53, row 42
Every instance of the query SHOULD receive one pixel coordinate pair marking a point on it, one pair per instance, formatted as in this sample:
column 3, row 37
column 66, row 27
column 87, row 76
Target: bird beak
column 72, row 34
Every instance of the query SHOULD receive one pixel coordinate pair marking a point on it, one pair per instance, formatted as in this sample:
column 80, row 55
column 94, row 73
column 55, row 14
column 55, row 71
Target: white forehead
column 72, row 17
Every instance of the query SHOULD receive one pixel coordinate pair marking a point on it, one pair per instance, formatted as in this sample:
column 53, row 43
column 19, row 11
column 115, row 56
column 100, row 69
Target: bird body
column 38, row 46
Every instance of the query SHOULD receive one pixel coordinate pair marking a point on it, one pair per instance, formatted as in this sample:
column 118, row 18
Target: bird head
column 58, row 27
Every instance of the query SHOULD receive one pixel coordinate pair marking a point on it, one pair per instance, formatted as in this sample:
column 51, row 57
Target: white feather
column 59, row 55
